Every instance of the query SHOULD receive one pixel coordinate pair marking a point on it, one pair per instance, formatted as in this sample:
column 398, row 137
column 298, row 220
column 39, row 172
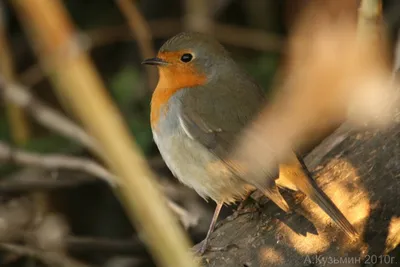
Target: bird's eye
column 186, row 58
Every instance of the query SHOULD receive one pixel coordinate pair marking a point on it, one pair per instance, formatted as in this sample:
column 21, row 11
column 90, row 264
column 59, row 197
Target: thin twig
column 33, row 179
column 165, row 28
column 19, row 126
column 16, row 216
column 49, row 258
column 39, row 179
column 139, row 27
column 54, row 161
column 141, row 30
column 187, row 219
column 78, row 244
column 51, row 118
column 249, row 38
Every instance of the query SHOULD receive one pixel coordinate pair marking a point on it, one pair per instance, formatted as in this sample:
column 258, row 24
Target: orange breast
column 173, row 77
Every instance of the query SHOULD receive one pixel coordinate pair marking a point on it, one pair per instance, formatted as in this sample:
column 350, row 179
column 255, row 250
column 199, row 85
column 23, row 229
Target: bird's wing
column 216, row 122
column 214, row 138
column 214, row 118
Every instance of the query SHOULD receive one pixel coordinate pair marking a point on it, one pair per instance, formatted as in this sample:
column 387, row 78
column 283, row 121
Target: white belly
column 199, row 169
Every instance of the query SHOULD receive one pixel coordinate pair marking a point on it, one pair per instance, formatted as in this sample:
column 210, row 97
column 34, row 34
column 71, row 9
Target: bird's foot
column 203, row 247
column 241, row 210
column 251, row 210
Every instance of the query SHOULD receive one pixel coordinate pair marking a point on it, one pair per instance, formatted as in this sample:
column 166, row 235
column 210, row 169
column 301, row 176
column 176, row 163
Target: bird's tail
column 269, row 189
column 311, row 189
column 272, row 192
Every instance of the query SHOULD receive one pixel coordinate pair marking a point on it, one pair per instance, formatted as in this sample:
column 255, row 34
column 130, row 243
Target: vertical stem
column 198, row 16
column 19, row 126
column 369, row 16
column 141, row 30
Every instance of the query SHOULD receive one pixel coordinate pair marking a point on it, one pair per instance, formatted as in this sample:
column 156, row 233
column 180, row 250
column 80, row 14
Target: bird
column 202, row 102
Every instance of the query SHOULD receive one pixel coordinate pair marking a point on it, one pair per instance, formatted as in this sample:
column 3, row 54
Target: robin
column 202, row 101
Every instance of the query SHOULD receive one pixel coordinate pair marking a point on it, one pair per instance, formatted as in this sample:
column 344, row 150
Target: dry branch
column 165, row 28
column 15, row 216
column 54, row 161
column 49, row 258
column 78, row 244
column 34, row 179
column 19, row 126
column 48, row 117
column 141, row 30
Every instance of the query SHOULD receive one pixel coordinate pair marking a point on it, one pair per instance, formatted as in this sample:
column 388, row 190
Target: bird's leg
column 204, row 243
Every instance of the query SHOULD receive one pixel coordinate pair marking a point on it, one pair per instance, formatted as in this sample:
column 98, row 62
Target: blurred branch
column 248, row 38
column 33, row 179
column 141, row 30
column 52, row 161
column 165, row 28
column 218, row 6
column 312, row 102
column 370, row 26
column 49, row 258
column 316, row 156
column 396, row 61
column 111, row 34
column 16, row 216
column 197, row 16
column 370, row 21
column 77, row 244
column 39, row 179
column 51, row 118
column 139, row 27
column 32, row 76
column 369, row 16
column 20, row 222
column 185, row 217
column 19, row 126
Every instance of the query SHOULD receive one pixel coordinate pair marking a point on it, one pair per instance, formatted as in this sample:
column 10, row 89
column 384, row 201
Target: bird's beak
column 154, row 61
